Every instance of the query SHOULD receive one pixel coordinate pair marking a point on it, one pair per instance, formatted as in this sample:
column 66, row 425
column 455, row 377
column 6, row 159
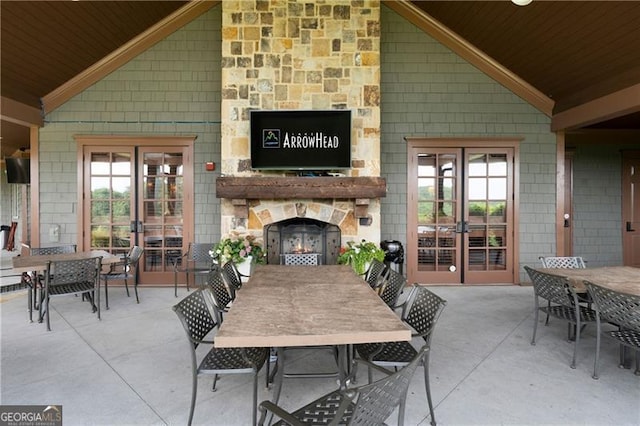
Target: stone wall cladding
column 297, row 55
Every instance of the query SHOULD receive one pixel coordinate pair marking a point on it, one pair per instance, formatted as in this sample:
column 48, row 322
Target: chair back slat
column 73, row 271
column 562, row 262
column 68, row 248
column 392, row 287
column 195, row 316
column 231, row 275
column 375, row 274
column 553, row 288
column 617, row 308
column 377, row 401
column 221, row 293
column 199, row 253
column 422, row 310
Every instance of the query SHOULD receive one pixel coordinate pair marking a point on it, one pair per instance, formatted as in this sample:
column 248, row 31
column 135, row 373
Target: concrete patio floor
column 133, row 368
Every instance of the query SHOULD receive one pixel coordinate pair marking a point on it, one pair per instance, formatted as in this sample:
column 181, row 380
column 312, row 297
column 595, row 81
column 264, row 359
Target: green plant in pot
column 360, row 255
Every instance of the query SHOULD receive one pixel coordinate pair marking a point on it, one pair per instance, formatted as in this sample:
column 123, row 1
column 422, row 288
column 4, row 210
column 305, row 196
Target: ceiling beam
column 614, row 105
column 19, row 113
column 473, row 55
column 125, row 53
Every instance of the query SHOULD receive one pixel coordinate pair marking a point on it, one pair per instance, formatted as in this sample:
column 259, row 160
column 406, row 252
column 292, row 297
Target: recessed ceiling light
column 521, row 2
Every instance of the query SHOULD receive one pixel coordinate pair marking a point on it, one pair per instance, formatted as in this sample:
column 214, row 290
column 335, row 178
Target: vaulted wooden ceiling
column 574, row 52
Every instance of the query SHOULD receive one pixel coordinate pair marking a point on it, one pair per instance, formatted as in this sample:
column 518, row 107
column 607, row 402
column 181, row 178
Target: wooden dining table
column 36, row 263
column 624, row 279
column 291, row 306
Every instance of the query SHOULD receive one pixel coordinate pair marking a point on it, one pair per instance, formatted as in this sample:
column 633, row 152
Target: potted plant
column 241, row 248
column 360, row 255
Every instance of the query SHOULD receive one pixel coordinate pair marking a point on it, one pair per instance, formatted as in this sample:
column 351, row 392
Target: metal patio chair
column 421, row 312
column 376, row 273
column 232, row 276
column 621, row 310
column 564, row 262
column 124, row 270
column 562, row 303
column 391, row 288
column 369, row 404
column 64, row 277
column 195, row 261
column 195, row 313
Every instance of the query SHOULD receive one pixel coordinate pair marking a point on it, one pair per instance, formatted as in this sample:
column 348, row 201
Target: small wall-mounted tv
column 300, row 140
column 18, row 170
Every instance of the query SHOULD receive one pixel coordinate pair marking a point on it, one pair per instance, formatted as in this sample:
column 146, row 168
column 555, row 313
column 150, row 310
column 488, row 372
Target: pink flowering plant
column 237, row 247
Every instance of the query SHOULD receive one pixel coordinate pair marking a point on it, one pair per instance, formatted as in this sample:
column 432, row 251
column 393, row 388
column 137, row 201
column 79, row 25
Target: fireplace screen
column 302, row 241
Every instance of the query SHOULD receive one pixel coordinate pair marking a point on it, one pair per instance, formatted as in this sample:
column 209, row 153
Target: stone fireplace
column 300, row 55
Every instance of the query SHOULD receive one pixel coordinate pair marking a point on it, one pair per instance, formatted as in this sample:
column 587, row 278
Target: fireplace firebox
column 302, row 241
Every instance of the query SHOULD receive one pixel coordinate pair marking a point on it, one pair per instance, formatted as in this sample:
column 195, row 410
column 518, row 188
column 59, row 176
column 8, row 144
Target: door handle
column 629, row 228
column 462, row 227
column 135, row 226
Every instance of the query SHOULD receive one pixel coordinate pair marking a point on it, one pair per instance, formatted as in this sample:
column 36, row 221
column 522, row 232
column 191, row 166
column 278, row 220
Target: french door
column 631, row 208
column 139, row 195
column 460, row 214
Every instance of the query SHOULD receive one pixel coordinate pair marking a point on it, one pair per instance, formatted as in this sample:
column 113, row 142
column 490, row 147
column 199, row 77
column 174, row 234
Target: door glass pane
column 488, row 189
column 162, row 209
column 436, row 214
column 110, row 201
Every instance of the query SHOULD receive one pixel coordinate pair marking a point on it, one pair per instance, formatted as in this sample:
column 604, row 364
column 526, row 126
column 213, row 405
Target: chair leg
column 187, row 274
column 255, row 399
column 215, row 381
column 428, row 388
column 30, row 304
column 535, row 322
column 135, row 289
column 126, row 286
column 576, row 336
column 175, row 282
column 623, row 352
column 106, row 294
column 194, row 391
column 637, row 372
column 47, row 313
column 595, row 363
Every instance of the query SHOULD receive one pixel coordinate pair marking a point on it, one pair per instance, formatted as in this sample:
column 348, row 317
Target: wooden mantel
column 240, row 189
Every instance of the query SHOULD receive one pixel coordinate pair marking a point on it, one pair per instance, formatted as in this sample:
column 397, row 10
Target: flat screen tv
column 18, row 170
column 301, row 140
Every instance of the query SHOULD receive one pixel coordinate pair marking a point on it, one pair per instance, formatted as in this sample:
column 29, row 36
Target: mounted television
column 301, row 140
column 18, row 170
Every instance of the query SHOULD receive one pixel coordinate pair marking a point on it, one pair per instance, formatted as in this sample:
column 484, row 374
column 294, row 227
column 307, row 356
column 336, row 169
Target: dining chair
column 232, row 276
column 222, row 293
column 562, row 303
column 391, row 288
column 195, row 314
column 421, row 312
column 621, row 310
column 376, row 273
column 123, row 270
column 65, row 277
column 34, row 281
column 196, row 261
column 369, row 404
column 571, row 262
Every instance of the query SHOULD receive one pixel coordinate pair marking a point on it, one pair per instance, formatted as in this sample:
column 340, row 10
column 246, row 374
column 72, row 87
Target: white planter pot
column 246, row 267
